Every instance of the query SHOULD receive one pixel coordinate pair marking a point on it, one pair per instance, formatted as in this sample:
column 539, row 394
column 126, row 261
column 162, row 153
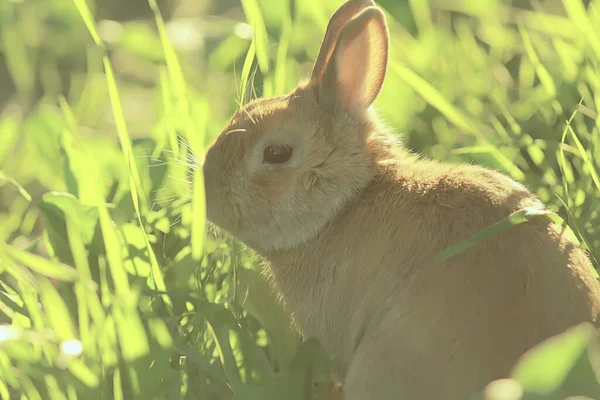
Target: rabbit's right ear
column 338, row 20
column 351, row 74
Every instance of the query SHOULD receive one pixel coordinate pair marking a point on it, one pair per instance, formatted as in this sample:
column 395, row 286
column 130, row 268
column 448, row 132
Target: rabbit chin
column 273, row 238
column 286, row 229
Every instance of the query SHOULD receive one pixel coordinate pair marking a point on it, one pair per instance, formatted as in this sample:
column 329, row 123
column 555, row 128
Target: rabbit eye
column 277, row 154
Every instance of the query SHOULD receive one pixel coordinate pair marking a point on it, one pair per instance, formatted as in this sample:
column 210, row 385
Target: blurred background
column 512, row 85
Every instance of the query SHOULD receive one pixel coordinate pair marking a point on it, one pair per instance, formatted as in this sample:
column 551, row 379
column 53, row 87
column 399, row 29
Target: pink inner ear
column 359, row 67
column 353, row 64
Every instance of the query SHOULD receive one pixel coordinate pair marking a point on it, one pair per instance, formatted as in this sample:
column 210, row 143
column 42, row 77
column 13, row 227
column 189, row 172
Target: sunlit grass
column 109, row 285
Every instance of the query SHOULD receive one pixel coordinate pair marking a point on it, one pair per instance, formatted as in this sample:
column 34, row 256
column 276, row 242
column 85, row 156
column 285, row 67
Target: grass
column 109, row 285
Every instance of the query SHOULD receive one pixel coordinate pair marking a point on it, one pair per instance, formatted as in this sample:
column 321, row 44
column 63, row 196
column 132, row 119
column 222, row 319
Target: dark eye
column 277, row 154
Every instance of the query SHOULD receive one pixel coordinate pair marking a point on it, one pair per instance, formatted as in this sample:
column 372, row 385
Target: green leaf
column 86, row 217
column 560, row 366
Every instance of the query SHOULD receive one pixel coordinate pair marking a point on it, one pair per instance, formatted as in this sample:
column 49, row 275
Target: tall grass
column 109, row 285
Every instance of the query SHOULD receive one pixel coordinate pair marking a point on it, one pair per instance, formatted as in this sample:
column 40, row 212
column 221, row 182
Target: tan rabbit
column 349, row 224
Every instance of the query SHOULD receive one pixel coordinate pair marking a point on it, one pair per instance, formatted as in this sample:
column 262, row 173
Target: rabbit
column 349, row 222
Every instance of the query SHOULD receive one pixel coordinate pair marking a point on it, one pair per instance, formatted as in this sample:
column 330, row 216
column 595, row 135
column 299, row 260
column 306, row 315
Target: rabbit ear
column 355, row 72
column 340, row 17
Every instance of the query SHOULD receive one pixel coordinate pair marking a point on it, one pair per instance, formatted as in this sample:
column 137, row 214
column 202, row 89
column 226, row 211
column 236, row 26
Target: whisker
column 185, row 142
column 181, row 179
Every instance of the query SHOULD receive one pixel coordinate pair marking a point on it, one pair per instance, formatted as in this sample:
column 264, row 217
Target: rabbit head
column 285, row 166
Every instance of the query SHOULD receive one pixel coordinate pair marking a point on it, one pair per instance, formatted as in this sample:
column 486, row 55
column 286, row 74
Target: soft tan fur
column 350, row 226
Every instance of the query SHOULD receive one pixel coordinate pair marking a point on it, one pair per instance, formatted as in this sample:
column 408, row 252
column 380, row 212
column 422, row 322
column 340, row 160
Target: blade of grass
column 157, row 276
column 56, row 311
column 88, row 302
column 504, row 161
column 542, row 72
column 578, row 234
column 220, row 334
column 256, row 20
column 88, row 20
column 113, row 253
column 83, row 373
column 18, row 61
column 577, row 13
column 562, row 162
column 198, row 228
column 248, row 61
column 124, row 138
column 173, row 65
column 194, row 134
column 10, row 303
column 130, row 330
column 135, row 180
column 282, row 54
column 436, row 100
column 422, row 14
column 587, row 161
column 21, row 189
column 516, row 218
column 41, row 265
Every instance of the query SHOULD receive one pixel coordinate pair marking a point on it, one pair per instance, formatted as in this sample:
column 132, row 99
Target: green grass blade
column 248, row 61
column 504, row 161
column 219, row 324
column 199, row 215
column 87, row 299
column 282, row 54
column 88, row 19
column 577, row 13
column 436, row 100
column 16, row 56
column 84, row 374
column 422, row 14
column 578, row 233
column 194, row 135
column 516, row 218
column 255, row 18
column 588, row 162
column 124, row 138
column 41, row 265
column 56, row 311
column 21, row 189
column 542, row 72
column 173, row 66
column 130, row 330
column 140, row 202
column 113, row 252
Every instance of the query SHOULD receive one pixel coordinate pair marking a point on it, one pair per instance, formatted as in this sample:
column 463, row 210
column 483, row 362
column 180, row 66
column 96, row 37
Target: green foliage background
column 109, row 286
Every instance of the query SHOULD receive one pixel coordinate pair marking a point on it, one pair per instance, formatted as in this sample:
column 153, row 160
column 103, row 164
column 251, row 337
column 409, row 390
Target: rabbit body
column 403, row 326
column 349, row 224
